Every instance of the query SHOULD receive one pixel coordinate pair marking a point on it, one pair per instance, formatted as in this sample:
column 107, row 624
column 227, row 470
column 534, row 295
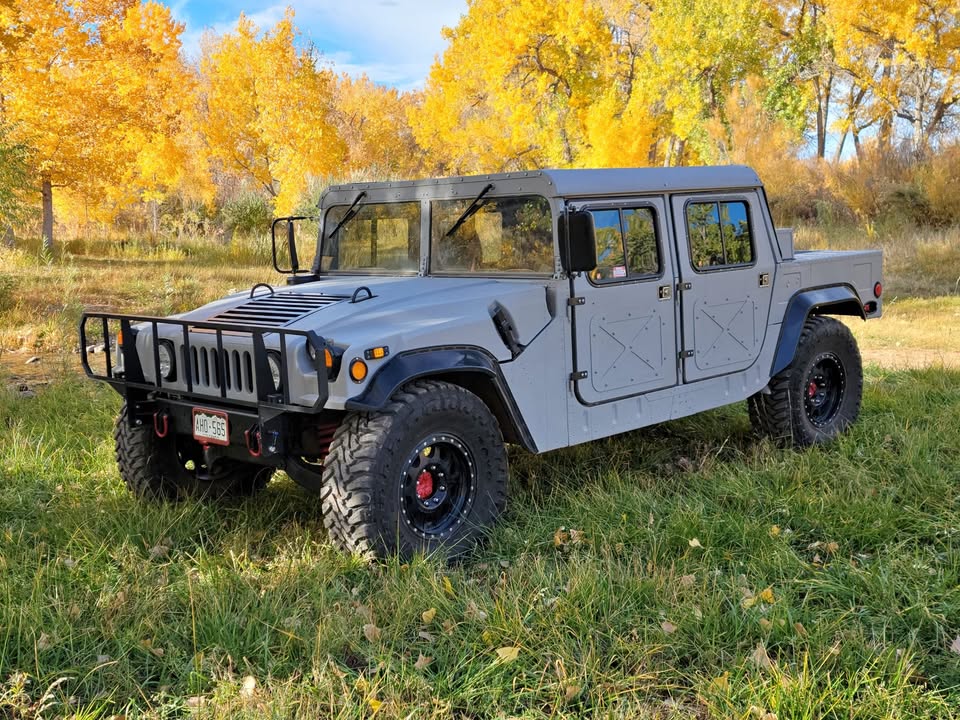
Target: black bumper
column 133, row 384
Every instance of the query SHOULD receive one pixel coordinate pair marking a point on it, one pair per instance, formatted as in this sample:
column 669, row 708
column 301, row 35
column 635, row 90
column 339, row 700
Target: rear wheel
column 427, row 473
column 818, row 395
column 156, row 468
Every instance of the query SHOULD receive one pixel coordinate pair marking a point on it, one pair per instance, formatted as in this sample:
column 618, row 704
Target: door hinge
column 764, row 279
column 576, row 301
column 684, row 286
column 580, row 375
column 685, row 354
column 665, row 292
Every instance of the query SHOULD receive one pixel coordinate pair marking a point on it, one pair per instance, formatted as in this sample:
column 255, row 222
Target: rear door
column 726, row 268
column 626, row 340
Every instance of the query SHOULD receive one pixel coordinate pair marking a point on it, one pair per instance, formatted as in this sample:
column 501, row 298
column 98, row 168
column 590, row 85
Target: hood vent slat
column 278, row 309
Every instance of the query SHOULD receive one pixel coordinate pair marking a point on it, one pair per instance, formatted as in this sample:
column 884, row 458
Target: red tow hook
column 161, row 424
column 254, row 442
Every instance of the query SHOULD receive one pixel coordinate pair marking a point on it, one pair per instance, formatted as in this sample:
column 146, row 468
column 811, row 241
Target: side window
column 626, row 245
column 719, row 234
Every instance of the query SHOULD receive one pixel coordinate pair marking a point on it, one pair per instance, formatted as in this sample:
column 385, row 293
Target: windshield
column 380, row 237
column 503, row 235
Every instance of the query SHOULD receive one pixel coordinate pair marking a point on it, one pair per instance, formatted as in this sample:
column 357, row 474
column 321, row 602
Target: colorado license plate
column 211, row 426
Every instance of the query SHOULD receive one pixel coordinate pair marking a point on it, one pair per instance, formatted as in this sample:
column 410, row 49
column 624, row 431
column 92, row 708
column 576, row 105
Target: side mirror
column 291, row 243
column 578, row 243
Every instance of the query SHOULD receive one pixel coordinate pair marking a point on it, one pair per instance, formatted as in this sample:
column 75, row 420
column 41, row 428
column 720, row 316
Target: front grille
column 276, row 310
column 209, row 369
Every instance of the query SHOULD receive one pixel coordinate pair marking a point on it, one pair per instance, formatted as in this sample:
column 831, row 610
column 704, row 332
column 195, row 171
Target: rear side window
column 627, row 245
column 720, row 234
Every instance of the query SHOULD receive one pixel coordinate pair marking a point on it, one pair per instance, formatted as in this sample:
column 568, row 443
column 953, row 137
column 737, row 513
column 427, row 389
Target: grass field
column 688, row 570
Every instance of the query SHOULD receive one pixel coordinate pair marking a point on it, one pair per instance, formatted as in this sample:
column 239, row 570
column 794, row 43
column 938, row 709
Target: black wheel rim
column 437, row 486
column 823, row 389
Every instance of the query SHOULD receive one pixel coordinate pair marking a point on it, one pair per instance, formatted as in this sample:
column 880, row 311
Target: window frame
column 657, row 235
column 501, row 274
column 719, row 200
column 373, row 271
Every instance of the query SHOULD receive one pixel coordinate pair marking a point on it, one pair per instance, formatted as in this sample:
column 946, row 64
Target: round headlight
column 166, row 361
column 273, row 362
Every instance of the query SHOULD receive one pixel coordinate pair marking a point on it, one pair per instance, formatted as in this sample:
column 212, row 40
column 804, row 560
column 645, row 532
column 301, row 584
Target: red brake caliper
column 424, row 485
column 811, row 389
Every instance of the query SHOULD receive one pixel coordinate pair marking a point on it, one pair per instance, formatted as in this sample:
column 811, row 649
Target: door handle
column 665, row 292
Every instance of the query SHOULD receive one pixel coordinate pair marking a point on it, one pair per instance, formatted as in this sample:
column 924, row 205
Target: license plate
column 211, row 426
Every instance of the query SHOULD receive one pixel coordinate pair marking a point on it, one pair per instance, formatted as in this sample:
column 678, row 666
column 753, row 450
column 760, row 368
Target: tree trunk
column 46, row 192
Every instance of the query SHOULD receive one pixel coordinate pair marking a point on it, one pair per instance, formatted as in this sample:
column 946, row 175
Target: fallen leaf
column 802, row 631
column 560, row 538
column 148, row 645
column 196, row 702
column 429, row 637
column 955, row 645
column 576, row 537
column 765, row 624
column 449, row 626
column 694, row 543
column 249, row 686
column 722, row 682
column 428, row 615
column 365, row 613
column 371, row 632
column 769, row 716
column 774, row 530
column 473, row 612
column 375, row 704
column 668, row 627
column 760, row 657
column 748, row 601
column 448, row 586
column 570, row 692
column 508, row 653
column 69, row 563
column 766, row 595
column 422, row 662
column 101, row 659
column 44, row 642
column 687, row 580
column 832, row 547
column 158, row 551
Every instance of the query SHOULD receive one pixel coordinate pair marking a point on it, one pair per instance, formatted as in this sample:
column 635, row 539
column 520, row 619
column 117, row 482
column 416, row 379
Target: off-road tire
column 366, row 471
column 782, row 413
column 151, row 470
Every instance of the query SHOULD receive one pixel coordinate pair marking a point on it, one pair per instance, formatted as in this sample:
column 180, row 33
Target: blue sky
column 393, row 41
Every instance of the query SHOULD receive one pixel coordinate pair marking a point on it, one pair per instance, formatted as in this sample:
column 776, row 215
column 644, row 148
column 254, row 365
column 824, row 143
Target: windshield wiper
column 349, row 214
column 470, row 211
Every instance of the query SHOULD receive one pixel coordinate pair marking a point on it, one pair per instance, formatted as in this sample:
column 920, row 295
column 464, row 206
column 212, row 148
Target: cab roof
column 584, row 183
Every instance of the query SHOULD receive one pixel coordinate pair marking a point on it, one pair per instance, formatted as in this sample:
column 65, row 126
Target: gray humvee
column 443, row 318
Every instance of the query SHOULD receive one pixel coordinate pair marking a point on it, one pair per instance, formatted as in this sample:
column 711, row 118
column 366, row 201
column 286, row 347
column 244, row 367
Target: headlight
column 273, row 362
column 165, row 352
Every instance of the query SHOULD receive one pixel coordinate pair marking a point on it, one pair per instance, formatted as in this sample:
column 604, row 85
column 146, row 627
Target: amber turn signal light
column 377, row 353
column 358, row 370
column 328, row 358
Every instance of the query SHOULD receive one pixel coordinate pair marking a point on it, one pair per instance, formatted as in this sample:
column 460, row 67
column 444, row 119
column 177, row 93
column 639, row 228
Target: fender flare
column 833, row 300
column 455, row 363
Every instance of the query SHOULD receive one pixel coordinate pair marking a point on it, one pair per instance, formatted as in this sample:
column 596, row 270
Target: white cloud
column 393, row 41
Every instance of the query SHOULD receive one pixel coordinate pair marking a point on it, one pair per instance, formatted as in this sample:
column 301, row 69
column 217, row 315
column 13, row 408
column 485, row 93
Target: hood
column 405, row 313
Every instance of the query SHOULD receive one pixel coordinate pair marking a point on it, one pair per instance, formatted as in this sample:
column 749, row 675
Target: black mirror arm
column 291, row 242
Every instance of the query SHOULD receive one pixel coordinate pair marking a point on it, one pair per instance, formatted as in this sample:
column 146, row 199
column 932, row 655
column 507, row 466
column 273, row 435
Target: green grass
column 113, row 607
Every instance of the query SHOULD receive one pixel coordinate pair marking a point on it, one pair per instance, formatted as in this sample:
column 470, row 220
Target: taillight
column 877, row 290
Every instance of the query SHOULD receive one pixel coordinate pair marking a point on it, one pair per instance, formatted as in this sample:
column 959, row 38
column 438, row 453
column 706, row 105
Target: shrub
column 248, row 214
column 8, row 286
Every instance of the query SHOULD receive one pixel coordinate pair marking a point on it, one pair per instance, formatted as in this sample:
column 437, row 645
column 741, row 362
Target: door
column 626, row 324
column 726, row 268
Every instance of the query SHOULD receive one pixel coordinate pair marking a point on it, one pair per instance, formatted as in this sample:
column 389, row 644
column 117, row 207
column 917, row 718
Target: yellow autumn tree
column 90, row 87
column 371, row 120
column 513, row 87
column 265, row 109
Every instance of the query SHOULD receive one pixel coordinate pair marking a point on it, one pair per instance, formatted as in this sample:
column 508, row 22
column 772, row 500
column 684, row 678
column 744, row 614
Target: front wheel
column 817, row 397
column 427, row 473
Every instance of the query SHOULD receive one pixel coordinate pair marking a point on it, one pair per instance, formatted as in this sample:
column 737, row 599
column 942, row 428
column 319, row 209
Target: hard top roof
column 581, row 183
